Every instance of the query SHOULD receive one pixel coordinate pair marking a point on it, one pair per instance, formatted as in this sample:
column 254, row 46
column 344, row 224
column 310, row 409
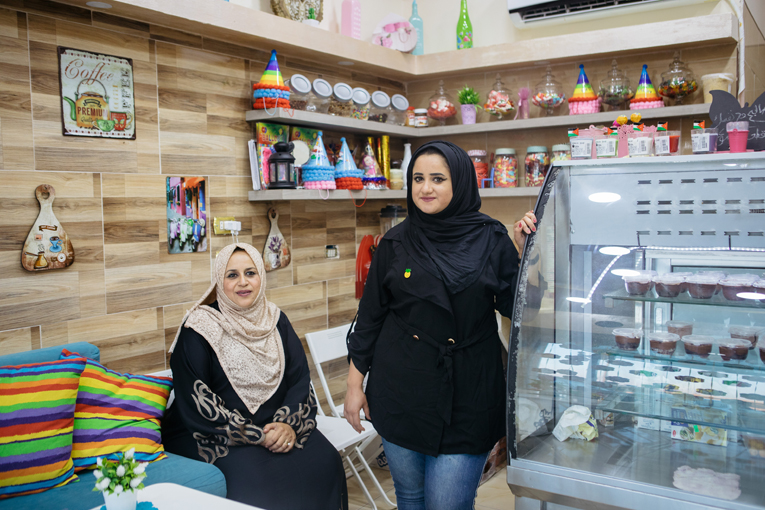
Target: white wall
column 491, row 21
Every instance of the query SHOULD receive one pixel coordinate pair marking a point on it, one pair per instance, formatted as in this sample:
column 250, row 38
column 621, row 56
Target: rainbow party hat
column 583, row 90
column 645, row 89
column 271, row 91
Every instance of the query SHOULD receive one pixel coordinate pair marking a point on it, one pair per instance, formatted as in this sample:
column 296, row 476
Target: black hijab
column 455, row 243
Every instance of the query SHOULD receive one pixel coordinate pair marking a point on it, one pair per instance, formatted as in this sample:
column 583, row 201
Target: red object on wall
column 363, row 261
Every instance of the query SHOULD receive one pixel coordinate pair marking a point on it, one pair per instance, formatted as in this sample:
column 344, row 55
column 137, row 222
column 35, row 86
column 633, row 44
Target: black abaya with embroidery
column 208, row 421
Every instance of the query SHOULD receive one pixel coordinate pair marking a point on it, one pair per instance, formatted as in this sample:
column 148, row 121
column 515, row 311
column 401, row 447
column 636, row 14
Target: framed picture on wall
column 97, row 96
column 186, row 215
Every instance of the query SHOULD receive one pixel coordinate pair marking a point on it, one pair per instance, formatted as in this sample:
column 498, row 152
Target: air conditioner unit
column 533, row 13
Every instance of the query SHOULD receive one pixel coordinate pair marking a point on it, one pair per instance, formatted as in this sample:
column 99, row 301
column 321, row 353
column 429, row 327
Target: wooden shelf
column 342, row 194
column 332, row 123
column 259, row 30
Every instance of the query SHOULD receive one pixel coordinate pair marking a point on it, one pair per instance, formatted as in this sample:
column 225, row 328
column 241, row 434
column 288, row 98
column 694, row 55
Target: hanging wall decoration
column 96, row 94
column 276, row 253
column 186, row 215
column 47, row 245
column 297, row 10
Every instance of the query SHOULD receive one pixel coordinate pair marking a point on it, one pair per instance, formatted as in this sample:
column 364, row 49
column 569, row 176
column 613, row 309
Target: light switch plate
column 216, row 225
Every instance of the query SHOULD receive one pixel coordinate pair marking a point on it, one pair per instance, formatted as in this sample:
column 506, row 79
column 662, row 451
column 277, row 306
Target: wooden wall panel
column 19, row 340
column 16, row 140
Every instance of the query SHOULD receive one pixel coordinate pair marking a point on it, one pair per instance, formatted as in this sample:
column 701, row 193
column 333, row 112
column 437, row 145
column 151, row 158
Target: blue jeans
column 422, row 482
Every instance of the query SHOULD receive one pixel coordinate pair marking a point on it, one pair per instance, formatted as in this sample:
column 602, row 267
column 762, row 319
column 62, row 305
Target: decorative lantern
column 281, row 166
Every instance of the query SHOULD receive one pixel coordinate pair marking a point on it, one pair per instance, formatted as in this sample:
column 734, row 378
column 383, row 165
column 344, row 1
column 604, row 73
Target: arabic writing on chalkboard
column 725, row 108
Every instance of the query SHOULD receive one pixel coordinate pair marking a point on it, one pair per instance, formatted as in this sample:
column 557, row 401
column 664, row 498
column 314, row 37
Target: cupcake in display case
column 548, row 94
column 441, row 105
column 615, row 90
column 498, row 102
column 678, row 81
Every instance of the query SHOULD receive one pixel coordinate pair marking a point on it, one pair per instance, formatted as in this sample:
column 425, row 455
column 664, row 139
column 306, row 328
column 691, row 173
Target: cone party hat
column 347, row 176
column 318, row 173
column 583, row 90
column 373, row 177
column 271, row 91
column 645, row 89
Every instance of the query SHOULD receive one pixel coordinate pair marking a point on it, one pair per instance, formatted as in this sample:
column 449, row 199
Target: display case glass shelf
column 667, row 417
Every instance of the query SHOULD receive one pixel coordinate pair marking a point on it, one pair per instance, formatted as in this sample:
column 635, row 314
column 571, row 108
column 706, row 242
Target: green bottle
column 464, row 28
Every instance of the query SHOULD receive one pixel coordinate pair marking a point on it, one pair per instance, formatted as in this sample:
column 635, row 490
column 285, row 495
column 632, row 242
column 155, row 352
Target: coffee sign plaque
column 97, row 96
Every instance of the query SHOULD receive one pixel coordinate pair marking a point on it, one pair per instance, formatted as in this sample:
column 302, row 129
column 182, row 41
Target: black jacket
column 436, row 382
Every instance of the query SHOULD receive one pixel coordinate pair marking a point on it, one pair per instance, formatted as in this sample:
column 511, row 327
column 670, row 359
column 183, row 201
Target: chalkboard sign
column 725, row 108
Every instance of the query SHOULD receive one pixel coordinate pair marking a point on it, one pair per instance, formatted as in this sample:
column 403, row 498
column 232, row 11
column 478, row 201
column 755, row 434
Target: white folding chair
column 327, row 346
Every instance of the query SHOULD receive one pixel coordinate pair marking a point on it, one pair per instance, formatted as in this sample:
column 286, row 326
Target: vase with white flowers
column 119, row 480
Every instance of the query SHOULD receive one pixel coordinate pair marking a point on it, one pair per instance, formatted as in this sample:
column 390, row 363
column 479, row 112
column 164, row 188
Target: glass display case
column 641, row 297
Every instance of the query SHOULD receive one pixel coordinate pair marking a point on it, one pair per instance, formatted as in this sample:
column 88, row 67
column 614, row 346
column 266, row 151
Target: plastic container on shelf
column 398, row 113
column 679, row 328
column 537, row 164
column 505, row 169
column 704, row 140
column 698, row 345
column 581, row 146
column 615, row 90
column 441, row 105
column 666, row 143
column 421, row 117
column 499, row 100
column 340, row 104
column 638, row 285
column 640, row 143
column 754, row 443
column 300, row 91
column 478, row 157
column 548, row 94
column 318, row 102
column 561, row 152
column 627, row 339
column 669, row 285
column 738, row 135
column 717, row 81
column 702, row 286
column 607, row 145
column 678, row 81
column 396, row 178
column 663, row 343
column 361, row 99
column 737, row 284
column 380, row 107
column 733, row 348
column 751, row 333
column 410, row 115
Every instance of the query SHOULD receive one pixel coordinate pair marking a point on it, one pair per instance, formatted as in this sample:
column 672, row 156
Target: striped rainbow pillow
column 116, row 412
column 37, row 404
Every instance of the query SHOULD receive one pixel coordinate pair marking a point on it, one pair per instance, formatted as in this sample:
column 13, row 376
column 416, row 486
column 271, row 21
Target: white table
column 171, row 496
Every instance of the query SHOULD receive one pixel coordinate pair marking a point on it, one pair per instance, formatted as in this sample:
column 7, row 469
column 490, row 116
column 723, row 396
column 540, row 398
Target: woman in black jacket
column 427, row 334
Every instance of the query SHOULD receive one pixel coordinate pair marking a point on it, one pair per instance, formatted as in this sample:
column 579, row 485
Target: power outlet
column 220, row 231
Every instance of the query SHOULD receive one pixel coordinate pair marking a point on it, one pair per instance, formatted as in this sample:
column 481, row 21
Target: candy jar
column 498, row 100
column 548, row 94
column 615, row 89
column 481, row 166
column 505, row 169
column 441, row 105
column 537, row 165
column 678, row 81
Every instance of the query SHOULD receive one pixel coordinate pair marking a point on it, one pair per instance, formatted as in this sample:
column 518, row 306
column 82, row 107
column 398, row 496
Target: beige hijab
column 248, row 345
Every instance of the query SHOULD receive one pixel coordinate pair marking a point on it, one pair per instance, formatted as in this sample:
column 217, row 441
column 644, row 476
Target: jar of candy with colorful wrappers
column 481, row 166
column 441, row 105
column 361, row 99
column 548, row 94
column 678, row 81
column 537, row 165
column 561, row 152
column 505, row 169
column 498, row 102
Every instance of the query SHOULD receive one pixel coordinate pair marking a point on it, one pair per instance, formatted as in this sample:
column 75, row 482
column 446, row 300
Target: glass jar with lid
column 380, row 107
column 505, row 169
column 399, row 106
column 361, row 99
column 441, row 105
column 548, row 94
column 615, row 90
column 537, row 165
column 678, row 81
column 561, row 152
column 481, row 166
column 341, row 104
column 319, row 99
column 499, row 100
column 421, row 117
column 300, row 91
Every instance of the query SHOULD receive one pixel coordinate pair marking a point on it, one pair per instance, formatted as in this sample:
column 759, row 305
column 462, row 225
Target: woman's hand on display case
column 523, row 228
column 355, row 399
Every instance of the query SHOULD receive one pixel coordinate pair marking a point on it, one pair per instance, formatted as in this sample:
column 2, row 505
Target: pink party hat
column 369, row 164
column 583, row 90
column 319, row 153
column 272, row 75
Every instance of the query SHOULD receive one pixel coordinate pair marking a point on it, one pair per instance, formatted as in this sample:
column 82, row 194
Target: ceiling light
column 582, row 300
column 604, row 197
column 345, row 63
column 99, row 5
column 625, row 272
column 750, row 295
column 614, row 250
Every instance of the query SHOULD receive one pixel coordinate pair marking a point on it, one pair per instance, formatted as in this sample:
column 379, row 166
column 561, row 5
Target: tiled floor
column 493, row 495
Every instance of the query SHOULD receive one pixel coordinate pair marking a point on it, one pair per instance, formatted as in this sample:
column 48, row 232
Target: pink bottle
column 350, row 24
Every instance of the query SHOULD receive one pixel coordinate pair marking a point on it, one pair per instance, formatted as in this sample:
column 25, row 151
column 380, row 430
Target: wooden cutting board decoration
column 47, row 245
column 276, row 254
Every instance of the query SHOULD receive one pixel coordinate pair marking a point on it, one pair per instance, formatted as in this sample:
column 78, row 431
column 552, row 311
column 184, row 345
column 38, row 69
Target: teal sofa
column 79, row 495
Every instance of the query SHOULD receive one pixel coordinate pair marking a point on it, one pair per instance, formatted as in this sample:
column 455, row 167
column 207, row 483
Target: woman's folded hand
column 280, row 438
